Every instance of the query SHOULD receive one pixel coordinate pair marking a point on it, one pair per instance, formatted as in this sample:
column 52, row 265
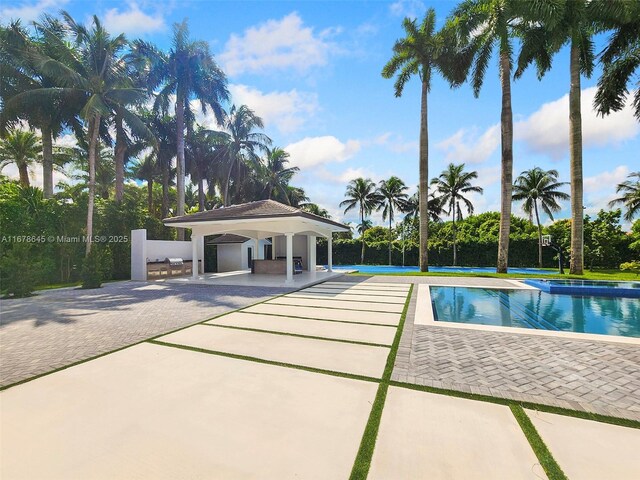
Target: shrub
column 19, row 271
column 93, row 269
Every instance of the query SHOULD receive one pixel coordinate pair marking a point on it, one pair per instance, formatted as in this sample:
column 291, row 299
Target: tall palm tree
column 242, row 144
column 48, row 113
column 538, row 186
column 452, row 184
column 188, row 72
column 420, row 52
column 315, row 209
column 485, row 27
column 148, row 170
column 572, row 23
column 276, row 175
column 630, row 198
column 22, row 148
column 164, row 130
column 392, row 194
column 201, row 159
column 94, row 71
column 296, row 196
column 361, row 194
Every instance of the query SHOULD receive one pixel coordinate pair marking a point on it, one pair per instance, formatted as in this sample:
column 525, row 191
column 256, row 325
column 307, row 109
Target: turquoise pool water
column 537, row 309
column 382, row 269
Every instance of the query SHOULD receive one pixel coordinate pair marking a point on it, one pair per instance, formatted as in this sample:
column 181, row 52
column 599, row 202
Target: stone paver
column 155, row 412
column 341, row 304
column 434, row 436
column 63, row 326
column 354, row 298
column 590, row 450
column 358, row 291
column 593, row 376
column 323, row 354
column 318, row 328
column 379, row 318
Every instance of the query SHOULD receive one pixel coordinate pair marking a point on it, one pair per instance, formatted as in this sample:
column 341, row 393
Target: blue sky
column 311, row 69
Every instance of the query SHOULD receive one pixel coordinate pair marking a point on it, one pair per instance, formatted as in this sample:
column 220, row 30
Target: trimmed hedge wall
column 522, row 253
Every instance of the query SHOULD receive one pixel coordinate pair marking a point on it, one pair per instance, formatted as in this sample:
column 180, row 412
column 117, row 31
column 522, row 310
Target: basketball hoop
column 546, row 240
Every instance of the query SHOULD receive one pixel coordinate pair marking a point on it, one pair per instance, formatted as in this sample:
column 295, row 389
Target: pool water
column 537, row 309
column 382, row 269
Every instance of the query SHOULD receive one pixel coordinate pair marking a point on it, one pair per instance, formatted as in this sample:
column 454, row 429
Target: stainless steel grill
column 174, row 262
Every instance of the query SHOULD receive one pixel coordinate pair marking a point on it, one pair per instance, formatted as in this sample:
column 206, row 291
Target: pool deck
column 598, row 376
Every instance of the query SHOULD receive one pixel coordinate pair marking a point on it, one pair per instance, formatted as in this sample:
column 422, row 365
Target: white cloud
column 468, row 147
column 395, row 143
column 30, row 11
column 407, row 8
column 547, row 130
column 313, row 151
column 287, row 111
column 276, row 45
column 132, row 21
column 599, row 189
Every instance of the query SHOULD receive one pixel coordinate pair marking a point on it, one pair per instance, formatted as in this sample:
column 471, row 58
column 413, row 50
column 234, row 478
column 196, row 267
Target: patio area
column 247, row 279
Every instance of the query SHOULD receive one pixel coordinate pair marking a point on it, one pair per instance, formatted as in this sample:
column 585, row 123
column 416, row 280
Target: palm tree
column 539, row 186
column 241, row 143
column 97, row 75
column 189, row 72
column 22, row 148
column 392, row 196
column 296, row 196
column 20, row 75
column 419, row 53
column 630, row 198
column 412, row 210
column 361, row 194
column 621, row 61
column 452, row 184
column 483, row 27
column 276, row 175
column 315, row 209
column 147, row 170
column 574, row 23
column 164, row 130
column 201, row 159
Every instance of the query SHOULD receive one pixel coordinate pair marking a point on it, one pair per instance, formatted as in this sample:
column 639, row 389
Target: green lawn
column 595, row 275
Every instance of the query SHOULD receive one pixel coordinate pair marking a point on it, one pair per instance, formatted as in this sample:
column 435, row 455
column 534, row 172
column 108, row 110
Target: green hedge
column 522, row 253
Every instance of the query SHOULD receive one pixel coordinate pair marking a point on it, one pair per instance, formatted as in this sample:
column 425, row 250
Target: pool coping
column 424, row 316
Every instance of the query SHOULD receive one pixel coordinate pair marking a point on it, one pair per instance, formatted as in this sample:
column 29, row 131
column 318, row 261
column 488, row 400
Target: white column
column 256, row 244
column 139, row 254
column 195, row 240
column 201, row 252
column 311, row 253
column 273, row 247
column 330, row 253
column 289, row 257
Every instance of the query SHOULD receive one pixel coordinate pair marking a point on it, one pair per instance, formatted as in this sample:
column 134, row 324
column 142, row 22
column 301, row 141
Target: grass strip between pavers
column 331, row 308
column 328, row 297
column 549, row 464
column 298, row 335
column 249, row 358
column 362, row 463
column 596, row 417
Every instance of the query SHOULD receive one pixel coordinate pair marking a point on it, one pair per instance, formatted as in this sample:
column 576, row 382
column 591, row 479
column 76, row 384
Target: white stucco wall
column 235, row 256
column 158, row 250
column 299, row 248
column 143, row 251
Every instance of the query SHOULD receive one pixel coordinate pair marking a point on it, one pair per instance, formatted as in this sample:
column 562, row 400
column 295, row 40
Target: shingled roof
column 252, row 210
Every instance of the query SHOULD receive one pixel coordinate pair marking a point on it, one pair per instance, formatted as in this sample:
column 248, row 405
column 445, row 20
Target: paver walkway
column 275, row 395
column 58, row 327
column 595, row 376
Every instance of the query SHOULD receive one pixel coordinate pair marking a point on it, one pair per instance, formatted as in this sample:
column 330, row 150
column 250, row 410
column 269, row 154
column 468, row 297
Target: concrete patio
column 245, row 278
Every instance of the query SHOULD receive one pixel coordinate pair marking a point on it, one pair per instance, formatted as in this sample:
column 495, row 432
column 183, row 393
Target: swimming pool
column 537, row 309
column 382, row 269
column 588, row 287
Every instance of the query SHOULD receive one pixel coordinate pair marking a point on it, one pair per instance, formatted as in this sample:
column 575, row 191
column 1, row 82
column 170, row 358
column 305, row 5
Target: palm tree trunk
column 201, row 194
column 535, row 206
column 362, row 235
column 23, row 171
column 165, row 191
column 424, row 181
column 389, row 235
column 226, row 186
column 455, row 236
column 180, row 164
column 506, row 133
column 119, row 153
column 575, row 144
column 94, row 126
column 150, row 196
column 47, row 162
